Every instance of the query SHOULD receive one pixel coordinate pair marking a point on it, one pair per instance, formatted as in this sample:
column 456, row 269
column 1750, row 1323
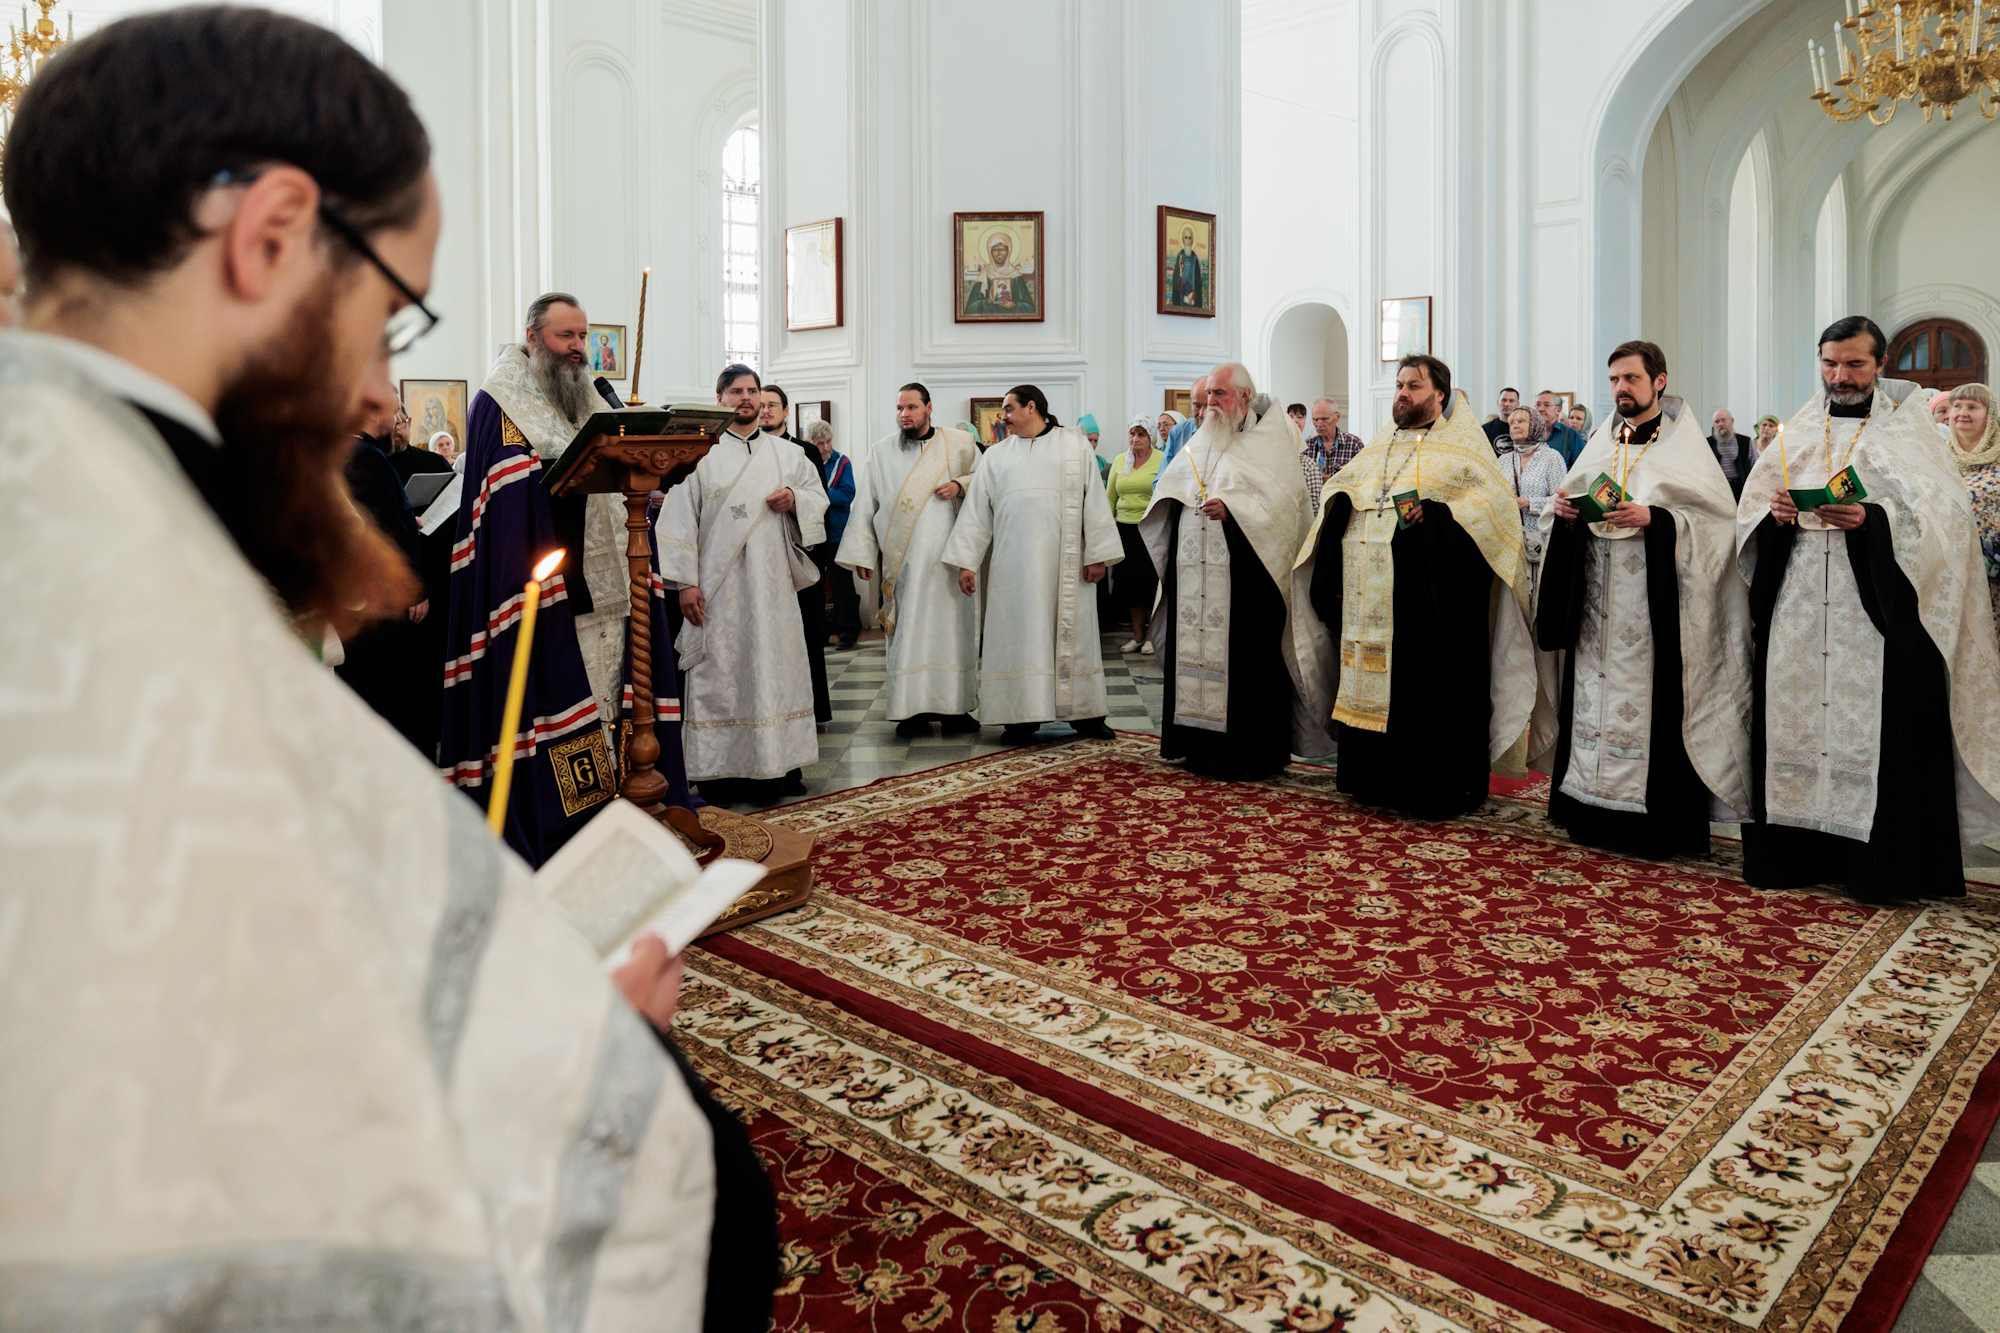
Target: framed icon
column 1406, row 326
column 435, row 405
column 806, row 411
column 985, row 420
column 606, row 349
column 1186, row 268
column 815, row 297
column 997, row 260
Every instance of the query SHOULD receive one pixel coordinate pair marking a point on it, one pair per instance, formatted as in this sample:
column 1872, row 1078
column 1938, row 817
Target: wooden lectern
column 634, row 452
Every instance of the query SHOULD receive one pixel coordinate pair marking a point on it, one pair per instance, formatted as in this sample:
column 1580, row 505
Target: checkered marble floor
column 1959, row 1291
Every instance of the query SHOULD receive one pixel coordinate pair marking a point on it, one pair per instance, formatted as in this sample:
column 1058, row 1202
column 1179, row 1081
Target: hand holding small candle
column 517, row 688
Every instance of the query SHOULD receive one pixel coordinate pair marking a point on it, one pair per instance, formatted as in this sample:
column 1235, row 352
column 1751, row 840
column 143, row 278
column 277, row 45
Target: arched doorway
column 1308, row 355
column 1938, row 354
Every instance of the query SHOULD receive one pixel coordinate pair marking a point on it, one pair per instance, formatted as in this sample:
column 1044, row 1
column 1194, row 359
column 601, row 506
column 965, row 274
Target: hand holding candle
column 517, row 688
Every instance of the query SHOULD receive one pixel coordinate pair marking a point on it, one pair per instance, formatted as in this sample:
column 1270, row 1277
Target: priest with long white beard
column 1037, row 508
column 906, row 499
column 1655, row 694
column 1243, row 655
column 1875, row 734
column 732, row 542
column 1418, row 569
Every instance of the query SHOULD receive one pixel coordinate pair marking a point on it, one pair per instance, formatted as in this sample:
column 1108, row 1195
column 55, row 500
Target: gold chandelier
column 1935, row 53
column 28, row 49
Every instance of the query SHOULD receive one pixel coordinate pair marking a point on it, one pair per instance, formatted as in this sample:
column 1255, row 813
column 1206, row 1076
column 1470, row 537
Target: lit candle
column 1784, row 464
column 517, row 689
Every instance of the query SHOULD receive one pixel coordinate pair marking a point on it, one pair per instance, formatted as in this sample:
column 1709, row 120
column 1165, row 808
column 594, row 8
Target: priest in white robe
column 906, row 498
column 294, row 1042
column 1654, row 623
column 1244, row 657
column 1037, row 530
column 1875, row 736
column 733, row 541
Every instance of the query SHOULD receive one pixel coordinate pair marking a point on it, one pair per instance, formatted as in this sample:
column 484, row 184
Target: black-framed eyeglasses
column 410, row 324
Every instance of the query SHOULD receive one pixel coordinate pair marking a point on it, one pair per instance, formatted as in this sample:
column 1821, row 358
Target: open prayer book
column 626, row 874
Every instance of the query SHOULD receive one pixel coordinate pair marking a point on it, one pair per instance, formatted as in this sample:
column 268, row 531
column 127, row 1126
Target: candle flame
column 548, row 565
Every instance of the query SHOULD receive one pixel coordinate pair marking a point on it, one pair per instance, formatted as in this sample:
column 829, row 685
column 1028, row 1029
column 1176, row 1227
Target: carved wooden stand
column 636, row 466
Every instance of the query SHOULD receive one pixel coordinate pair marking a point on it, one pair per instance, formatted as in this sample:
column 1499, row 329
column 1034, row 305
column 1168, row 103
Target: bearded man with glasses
column 347, row 1064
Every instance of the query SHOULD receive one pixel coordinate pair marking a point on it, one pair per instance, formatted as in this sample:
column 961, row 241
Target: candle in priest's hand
column 517, row 689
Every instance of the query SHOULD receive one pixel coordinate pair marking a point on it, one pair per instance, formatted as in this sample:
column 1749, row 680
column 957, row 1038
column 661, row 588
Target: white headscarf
column 1139, row 423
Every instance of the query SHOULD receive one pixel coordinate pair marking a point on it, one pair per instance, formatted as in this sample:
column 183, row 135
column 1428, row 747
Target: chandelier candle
column 517, row 688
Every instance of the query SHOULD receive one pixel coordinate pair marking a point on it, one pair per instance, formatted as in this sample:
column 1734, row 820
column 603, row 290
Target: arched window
column 1938, row 354
column 739, row 247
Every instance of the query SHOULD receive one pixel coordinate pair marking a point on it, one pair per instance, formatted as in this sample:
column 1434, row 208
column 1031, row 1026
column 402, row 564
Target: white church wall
column 1933, row 250
column 1301, row 229
column 1094, row 131
column 575, row 144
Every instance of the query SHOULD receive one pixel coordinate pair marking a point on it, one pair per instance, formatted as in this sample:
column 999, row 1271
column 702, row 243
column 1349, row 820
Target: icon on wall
column 1406, row 326
column 998, row 261
column 1187, row 263
column 606, row 346
column 986, row 420
column 814, row 297
column 806, row 411
column 435, row 405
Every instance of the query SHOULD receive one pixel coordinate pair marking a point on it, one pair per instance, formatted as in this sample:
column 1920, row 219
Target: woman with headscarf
column 1974, row 437
column 1535, row 471
column 1168, row 420
column 1134, row 583
column 1941, row 411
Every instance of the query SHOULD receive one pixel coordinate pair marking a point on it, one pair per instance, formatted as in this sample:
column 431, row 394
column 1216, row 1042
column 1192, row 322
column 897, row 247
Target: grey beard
column 1849, row 397
column 566, row 384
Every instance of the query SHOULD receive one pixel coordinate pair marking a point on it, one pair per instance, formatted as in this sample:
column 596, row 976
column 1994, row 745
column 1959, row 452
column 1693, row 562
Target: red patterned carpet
column 1072, row 1040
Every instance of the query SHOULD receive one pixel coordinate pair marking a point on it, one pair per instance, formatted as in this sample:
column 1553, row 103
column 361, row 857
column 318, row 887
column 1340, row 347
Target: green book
column 1409, row 509
column 1603, row 496
column 1843, row 488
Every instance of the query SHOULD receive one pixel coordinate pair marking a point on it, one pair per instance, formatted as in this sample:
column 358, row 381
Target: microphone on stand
column 603, row 386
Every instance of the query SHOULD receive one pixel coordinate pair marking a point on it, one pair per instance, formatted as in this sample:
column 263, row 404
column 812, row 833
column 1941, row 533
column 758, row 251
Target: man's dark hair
column 1029, row 394
column 733, row 372
column 1299, row 408
column 1437, row 371
column 917, row 389
column 116, row 140
column 1512, row 390
column 783, row 399
column 1649, row 354
column 1837, row 332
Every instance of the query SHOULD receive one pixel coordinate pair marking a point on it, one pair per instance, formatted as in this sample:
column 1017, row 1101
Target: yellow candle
column 517, row 689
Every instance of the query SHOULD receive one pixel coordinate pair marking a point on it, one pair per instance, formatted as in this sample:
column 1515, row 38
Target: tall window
column 739, row 246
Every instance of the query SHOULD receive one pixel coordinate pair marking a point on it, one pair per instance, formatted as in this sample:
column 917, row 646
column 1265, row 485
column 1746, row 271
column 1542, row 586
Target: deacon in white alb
column 1655, row 699
column 906, row 498
column 731, row 539
column 1037, row 506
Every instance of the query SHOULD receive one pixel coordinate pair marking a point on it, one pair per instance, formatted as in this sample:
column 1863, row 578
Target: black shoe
column 795, row 783
column 959, row 724
column 914, row 726
column 1093, row 729
column 847, row 642
column 1019, row 733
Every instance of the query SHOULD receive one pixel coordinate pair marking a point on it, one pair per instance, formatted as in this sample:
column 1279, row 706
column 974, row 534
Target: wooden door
column 1938, row 354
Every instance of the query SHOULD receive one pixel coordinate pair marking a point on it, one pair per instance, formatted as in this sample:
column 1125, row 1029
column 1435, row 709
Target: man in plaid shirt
column 1328, row 448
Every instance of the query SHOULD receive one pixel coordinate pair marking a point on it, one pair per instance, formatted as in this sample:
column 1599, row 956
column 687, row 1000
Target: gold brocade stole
column 1368, row 603
column 931, row 470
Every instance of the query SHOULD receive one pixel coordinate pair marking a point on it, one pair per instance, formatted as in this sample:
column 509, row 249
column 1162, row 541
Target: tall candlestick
column 517, row 689
column 639, row 343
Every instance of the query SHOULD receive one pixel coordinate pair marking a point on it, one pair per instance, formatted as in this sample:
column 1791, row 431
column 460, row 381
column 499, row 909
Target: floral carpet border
column 1160, row 1242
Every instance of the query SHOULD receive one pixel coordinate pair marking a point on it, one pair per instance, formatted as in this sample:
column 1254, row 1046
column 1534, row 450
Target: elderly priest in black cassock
column 1418, row 569
column 1242, row 653
column 1646, row 601
column 1875, row 736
